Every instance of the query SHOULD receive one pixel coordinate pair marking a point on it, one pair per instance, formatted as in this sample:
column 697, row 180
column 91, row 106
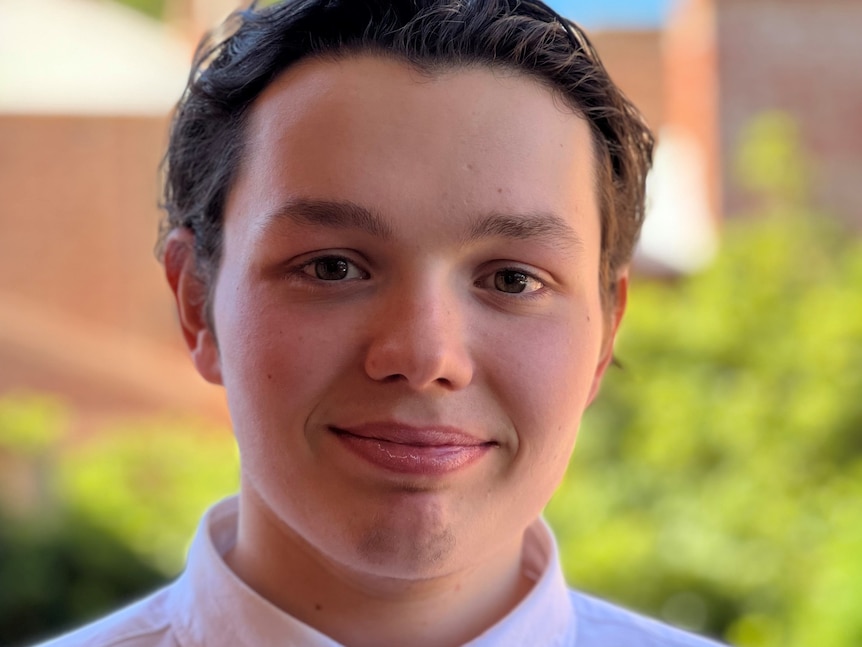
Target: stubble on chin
column 405, row 545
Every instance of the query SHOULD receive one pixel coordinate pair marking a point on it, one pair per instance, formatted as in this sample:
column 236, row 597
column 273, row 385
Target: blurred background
column 717, row 482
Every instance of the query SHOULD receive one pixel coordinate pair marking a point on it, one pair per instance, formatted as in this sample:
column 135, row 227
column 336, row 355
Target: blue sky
column 614, row 13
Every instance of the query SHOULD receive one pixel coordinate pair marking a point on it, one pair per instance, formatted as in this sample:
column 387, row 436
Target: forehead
column 380, row 133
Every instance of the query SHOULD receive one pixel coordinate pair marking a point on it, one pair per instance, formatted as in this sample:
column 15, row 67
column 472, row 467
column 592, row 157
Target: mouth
column 404, row 449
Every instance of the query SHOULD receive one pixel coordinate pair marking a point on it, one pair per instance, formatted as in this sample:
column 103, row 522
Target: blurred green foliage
column 771, row 162
column 30, row 424
column 717, row 481
column 89, row 524
column 59, row 571
column 147, row 484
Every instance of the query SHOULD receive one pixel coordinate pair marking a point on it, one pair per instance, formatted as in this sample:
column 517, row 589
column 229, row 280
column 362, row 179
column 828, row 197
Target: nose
column 419, row 337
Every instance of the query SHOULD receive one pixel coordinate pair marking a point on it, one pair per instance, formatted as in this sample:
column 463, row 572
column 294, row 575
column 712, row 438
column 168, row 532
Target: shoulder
column 145, row 623
column 601, row 624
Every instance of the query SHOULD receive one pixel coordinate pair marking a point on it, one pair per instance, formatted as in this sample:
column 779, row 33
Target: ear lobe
column 611, row 327
column 190, row 293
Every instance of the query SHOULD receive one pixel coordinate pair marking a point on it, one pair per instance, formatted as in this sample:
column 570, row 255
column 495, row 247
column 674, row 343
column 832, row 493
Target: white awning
column 679, row 232
column 87, row 57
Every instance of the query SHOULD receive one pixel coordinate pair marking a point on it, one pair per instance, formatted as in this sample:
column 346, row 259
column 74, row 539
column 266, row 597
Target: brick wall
column 803, row 57
column 80, row 212
column 634, row 61
column 84, row 307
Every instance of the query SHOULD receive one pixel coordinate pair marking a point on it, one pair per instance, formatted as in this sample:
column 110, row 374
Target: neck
column 358, row 608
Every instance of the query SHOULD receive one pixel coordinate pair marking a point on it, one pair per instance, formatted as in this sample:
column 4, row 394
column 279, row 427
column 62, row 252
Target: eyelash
column 538, row 290
column 305, row 271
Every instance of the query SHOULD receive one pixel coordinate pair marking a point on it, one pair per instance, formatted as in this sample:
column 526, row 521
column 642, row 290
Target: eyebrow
column 335, row 214
column 544, row 227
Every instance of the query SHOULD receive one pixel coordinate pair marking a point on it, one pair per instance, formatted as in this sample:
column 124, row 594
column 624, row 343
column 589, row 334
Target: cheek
column 278, row 356
column 552, row 362
column 272, row 351
column 545, row 380
column 253, row 343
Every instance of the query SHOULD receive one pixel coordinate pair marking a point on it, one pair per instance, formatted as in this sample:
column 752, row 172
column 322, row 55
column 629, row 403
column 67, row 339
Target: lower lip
column 433, row 460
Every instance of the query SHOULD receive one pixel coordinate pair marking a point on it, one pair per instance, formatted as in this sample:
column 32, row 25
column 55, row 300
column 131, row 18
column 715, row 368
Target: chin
column 394, row 553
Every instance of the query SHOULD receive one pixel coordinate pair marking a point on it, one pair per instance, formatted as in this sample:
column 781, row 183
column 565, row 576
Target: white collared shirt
column 209, row 606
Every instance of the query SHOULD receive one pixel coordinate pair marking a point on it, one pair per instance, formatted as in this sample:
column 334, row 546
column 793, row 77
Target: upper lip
column 407, row 434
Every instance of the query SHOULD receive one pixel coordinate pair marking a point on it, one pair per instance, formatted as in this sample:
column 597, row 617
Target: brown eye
column 515, row 282
column 333, row 268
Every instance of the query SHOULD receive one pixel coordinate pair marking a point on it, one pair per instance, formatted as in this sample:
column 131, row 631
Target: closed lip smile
column 408, row 449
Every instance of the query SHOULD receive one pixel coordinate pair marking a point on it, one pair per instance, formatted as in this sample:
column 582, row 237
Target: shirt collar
column 211, row 606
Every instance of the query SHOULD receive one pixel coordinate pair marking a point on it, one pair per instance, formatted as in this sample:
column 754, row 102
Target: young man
column 398, row 234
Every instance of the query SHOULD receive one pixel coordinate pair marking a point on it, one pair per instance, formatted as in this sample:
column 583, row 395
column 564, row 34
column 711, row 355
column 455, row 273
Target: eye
column 514, row 281
column 333, row 268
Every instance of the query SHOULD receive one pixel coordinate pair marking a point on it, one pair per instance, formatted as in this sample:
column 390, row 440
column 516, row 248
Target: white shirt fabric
column 209, row 606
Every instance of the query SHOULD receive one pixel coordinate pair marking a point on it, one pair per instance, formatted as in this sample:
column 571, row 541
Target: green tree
column 89, row 524
column 718, row 479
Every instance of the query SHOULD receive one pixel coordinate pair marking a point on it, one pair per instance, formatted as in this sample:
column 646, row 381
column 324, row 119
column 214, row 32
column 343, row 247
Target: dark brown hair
column 234, row 65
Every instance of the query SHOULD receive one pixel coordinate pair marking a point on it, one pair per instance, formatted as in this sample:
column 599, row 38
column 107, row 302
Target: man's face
column 408, row 309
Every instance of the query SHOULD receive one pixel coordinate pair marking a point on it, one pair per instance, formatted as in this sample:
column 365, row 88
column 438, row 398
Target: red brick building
column 728, row 61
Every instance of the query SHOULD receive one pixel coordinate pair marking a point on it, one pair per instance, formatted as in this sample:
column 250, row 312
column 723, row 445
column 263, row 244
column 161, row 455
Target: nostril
column 420, row 354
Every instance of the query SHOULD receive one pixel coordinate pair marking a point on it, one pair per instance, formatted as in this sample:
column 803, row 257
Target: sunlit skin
column 403, row 254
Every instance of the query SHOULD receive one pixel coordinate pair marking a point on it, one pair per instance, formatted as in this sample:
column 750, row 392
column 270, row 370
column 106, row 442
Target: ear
column 190, row 293
column 615, row 316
